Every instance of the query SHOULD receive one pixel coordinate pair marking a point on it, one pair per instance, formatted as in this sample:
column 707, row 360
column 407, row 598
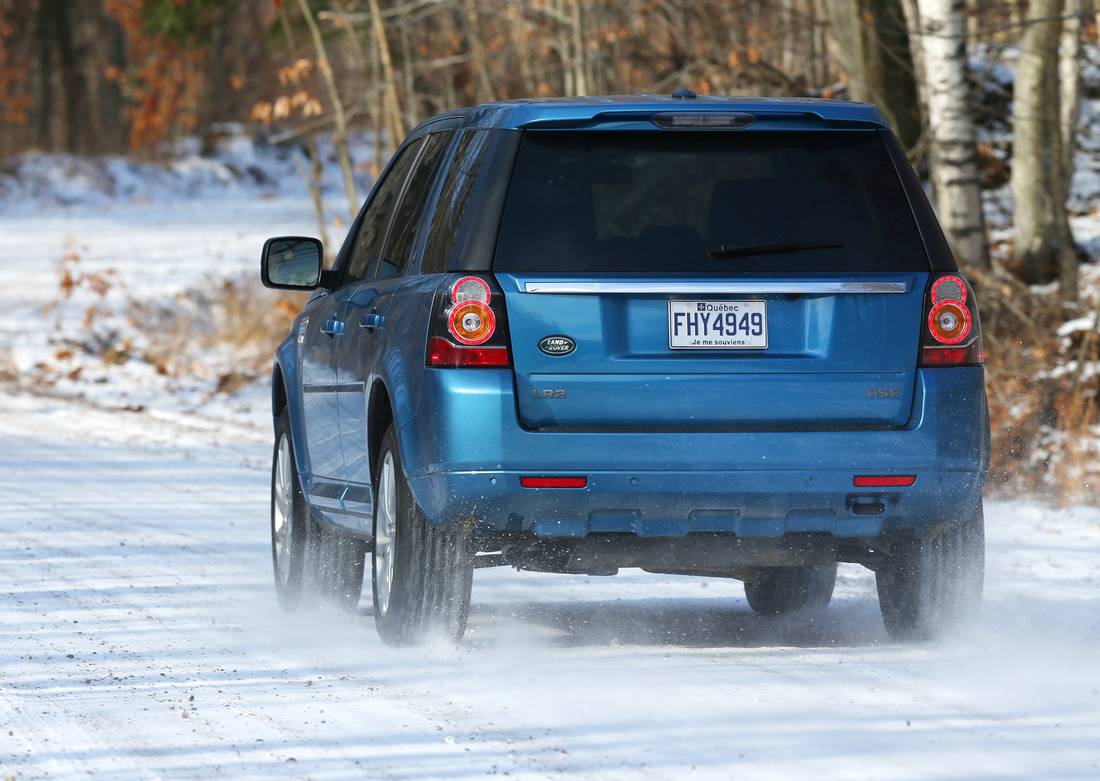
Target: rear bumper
column 674, row 504
column 464, row 453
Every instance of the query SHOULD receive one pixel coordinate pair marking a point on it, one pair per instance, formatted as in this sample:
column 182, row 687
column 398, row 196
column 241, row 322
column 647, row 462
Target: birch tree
column 953, row 149
column 1070, row 52
column 1039, row 178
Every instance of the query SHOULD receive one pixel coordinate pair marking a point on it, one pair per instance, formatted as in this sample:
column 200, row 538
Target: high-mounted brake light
column 951, row 334
column 703, row 120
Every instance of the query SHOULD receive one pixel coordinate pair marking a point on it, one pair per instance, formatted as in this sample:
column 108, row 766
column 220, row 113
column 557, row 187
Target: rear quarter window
column 673, row 202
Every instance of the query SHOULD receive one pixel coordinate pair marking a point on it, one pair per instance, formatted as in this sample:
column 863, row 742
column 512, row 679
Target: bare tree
column 477, row 49
column 390, row 102
column 1070, row 52
column 1039, row 181
column 873, row 43
column 314, row 175
column 953, row 151
column 339, row 125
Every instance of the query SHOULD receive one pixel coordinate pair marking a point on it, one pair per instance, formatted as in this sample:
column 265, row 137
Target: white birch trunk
column 1069, row 77
column 953, row 150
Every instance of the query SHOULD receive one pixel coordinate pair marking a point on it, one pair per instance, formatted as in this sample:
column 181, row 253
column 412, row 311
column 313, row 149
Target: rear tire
column 422, row 574
column 932, row 585
column 776, row 591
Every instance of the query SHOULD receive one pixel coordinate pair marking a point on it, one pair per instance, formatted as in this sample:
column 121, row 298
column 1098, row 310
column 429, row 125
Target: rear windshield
column 671, row 202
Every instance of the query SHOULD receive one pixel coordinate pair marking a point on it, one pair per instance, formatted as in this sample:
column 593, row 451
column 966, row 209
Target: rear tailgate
column 711, row 280
column 832, row 360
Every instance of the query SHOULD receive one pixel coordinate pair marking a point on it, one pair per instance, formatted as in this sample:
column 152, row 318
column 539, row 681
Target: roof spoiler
column 737, row 119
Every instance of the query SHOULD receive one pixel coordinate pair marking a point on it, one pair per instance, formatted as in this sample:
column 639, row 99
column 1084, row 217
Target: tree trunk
column 1069, row 76
column 872, row 42
column 339, row 122
column 477, row 51
column 315, row 182
column 953, row 152
column 395, row 125
column 580, row 55
column 43, row 110
column 76, row 113
column 1038, row 185
column 315, row 175
column 523, row 47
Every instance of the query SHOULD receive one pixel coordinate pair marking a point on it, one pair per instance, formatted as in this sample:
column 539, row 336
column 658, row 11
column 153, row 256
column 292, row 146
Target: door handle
column 372, row 321
column 332, row 327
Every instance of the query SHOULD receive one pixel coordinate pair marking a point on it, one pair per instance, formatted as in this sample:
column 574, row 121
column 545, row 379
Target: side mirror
column 292, row 263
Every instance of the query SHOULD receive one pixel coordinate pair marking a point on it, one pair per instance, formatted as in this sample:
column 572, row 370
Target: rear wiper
column 723, row 252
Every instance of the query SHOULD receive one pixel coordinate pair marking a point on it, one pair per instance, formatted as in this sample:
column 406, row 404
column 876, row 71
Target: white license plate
column 717, row 325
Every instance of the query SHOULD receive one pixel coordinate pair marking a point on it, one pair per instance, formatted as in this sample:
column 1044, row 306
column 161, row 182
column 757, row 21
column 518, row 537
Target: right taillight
column 469, row 327
column 950, row 333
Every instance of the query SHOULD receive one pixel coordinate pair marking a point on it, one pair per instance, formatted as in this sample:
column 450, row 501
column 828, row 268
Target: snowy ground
column 139, row 637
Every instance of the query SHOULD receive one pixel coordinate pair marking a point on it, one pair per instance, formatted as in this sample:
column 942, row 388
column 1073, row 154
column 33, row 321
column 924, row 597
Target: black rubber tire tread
column 433, row 568
column 291, row 592
column 339, row 558
column 776, row 591
column 933, row 585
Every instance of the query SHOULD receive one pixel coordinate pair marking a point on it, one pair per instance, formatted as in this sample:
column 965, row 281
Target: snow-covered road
column 139, row 638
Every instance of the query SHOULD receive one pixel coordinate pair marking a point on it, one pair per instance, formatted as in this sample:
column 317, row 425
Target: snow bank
column 241, row 166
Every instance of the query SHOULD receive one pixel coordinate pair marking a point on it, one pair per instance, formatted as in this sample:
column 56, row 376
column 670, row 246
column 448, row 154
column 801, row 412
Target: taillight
column 471, row 289
column 951, row 334
column 471, row 322
column 469, row 327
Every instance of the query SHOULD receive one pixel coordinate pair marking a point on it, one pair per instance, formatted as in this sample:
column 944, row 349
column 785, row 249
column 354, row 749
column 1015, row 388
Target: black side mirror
column 292, row 263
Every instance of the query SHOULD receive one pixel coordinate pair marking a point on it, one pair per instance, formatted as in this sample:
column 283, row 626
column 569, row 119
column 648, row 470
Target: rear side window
column 455, row 198
column 407, row 217
column 670, row 202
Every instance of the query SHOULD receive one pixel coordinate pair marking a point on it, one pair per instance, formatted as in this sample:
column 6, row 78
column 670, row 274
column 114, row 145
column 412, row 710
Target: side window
column 454, row 198
column 368, row 244
column 395, row 259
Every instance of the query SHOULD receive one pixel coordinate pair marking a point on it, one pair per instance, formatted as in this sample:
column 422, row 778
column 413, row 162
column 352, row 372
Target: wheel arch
column 379, row 417
column 285, row 395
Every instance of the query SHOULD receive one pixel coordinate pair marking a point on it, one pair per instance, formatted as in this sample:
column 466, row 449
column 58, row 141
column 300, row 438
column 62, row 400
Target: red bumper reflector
column 529, row 481
column 883, row 481
column 447, row 354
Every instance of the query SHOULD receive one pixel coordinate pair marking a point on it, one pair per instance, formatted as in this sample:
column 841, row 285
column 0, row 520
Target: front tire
column 340, row 558
column 931, row 585
column 422, row 574
column 290, row 521
column 776, row 591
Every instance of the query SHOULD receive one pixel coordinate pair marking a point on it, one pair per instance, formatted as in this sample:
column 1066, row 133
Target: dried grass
column 1042, row 389
column 229, row 330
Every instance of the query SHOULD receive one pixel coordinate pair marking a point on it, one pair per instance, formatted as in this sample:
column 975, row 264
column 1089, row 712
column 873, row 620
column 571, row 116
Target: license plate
column 717, row 325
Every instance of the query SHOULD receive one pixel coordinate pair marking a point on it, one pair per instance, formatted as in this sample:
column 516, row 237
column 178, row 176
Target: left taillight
column 469, row 326
column 951, row 334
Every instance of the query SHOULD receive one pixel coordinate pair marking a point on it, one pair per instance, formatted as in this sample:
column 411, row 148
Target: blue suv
column 698, row 336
